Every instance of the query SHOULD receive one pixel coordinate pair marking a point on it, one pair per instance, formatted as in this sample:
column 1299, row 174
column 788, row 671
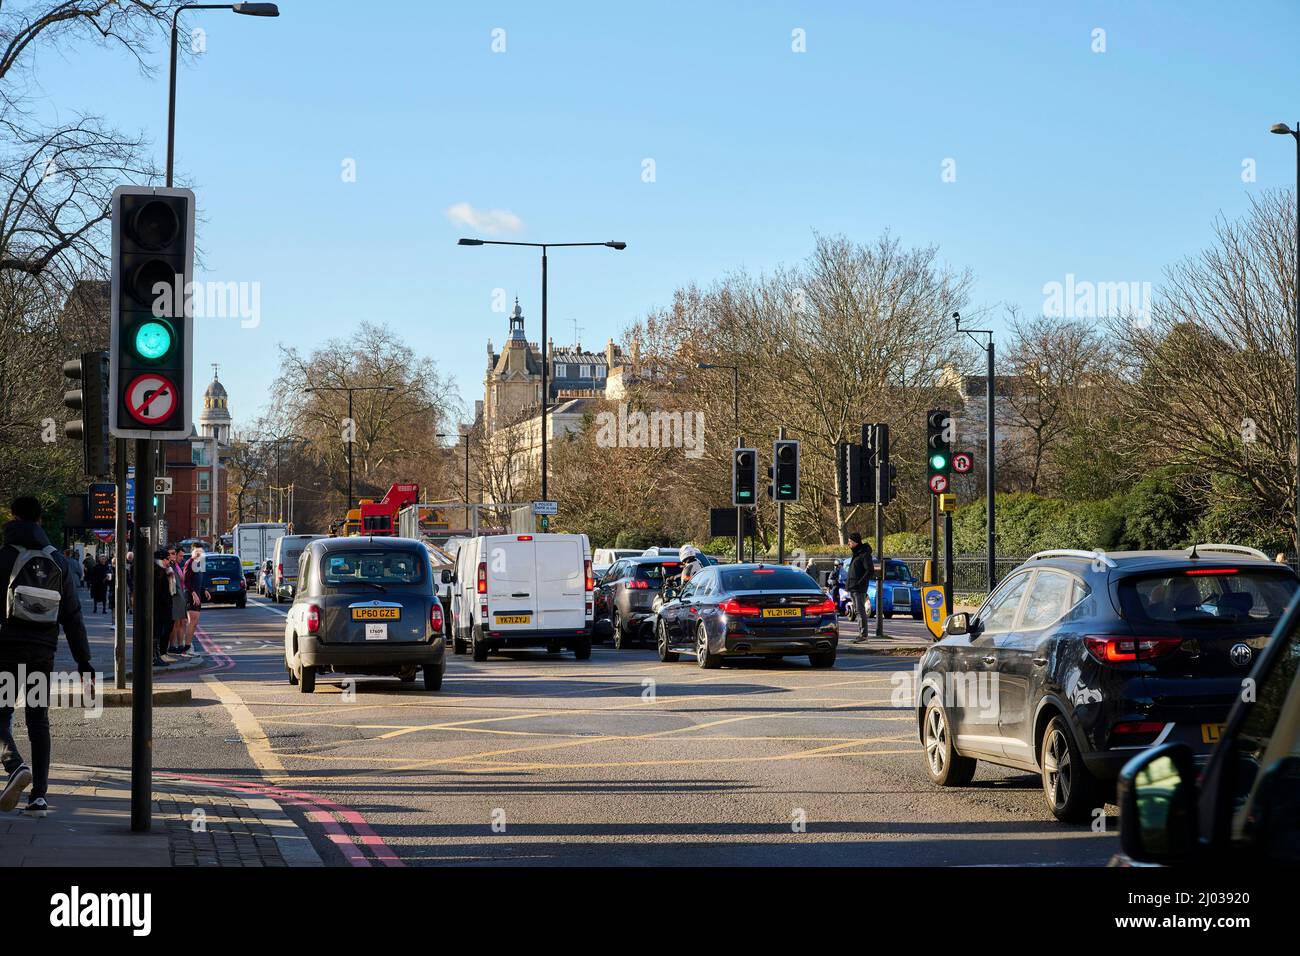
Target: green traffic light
column 938, row 462
column 153, row 340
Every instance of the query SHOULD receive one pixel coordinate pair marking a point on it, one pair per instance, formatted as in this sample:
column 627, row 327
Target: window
column 205, row 481
column 205, row 504
column 999, row 614
column 1047, row 600
column 585, row 371
column 561, row 370
column 204, row 527
column 767, row 579
column 373, row 566
column 1232, row 601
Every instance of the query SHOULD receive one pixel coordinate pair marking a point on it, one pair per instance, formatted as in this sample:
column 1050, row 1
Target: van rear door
column 561, row 583
column 512, row 582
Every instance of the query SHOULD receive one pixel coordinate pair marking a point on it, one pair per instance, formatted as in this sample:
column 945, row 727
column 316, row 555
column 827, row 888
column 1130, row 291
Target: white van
column 522, row 590
column 284, row 565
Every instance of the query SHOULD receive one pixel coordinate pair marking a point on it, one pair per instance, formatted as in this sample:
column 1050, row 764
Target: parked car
column 284, row 564
column 625, row 596
column 602, row 559
column 523, row 590
column 1244, row 809
column 364, row 605
column 223, row 578
column 746, row 610
column 1078, row 660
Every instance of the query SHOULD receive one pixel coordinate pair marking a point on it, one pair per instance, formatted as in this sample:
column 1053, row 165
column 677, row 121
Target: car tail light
column 825, row 607
column 1119, row 650
column 435, row 618
column 732, row 606
column 482, row 577
column 524, row 537
column 586, row 568
column 1138, row 727
column 639, row 585
column 313, row 619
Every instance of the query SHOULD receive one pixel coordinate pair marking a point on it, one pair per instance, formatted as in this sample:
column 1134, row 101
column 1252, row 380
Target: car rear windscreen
column 766, row 579
column 1236, row 601
column 372, row 566
column 223, row 565
column 655, row 573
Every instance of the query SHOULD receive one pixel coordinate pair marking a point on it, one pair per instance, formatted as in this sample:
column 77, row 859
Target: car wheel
column 293, row 678
column 620, row 638
column 666, row 654
column 702, row 656
column 582, row 649
column 307, row 679
column 432, row 677
column 478, row 646
column 946, row 767
column 1072, row 793
column 824, row 659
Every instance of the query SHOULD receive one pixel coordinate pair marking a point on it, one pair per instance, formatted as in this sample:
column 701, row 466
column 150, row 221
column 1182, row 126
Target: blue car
column 902, row 590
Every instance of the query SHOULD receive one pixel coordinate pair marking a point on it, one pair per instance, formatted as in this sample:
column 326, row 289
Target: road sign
column 162, row 486
column 938, row 484
column 934, row 609
column 130, row 489
column 102, row 501
column 151, row 398
column 546, row 507
column 962, row 462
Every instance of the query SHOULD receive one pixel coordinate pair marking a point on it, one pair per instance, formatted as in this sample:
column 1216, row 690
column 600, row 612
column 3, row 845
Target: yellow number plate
column 221, row 580
column 1210, row 733
column 376, row 613
column 513, row 618
column 782, row 612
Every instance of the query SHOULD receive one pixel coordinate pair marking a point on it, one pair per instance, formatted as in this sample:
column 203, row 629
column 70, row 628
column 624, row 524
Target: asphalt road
column 619, row 760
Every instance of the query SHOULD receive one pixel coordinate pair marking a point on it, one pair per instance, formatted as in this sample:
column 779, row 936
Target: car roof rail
column 1228, row 548
column 1075, row 553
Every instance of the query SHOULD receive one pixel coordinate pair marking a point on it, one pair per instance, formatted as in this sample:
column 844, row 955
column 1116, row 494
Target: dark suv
column 624, row 598
column 1079, row 660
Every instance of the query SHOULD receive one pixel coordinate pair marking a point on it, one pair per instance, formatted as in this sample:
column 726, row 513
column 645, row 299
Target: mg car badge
column 1240, row 654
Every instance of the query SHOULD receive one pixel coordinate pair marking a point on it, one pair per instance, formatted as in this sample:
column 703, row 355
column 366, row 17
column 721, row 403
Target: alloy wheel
column 1057, row 770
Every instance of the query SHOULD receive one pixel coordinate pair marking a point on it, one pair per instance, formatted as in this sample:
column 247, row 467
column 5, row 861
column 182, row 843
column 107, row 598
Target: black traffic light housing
column 785, row 470
column 152, row 325
column 938, row 451
column 744, row 476
column 91, row 400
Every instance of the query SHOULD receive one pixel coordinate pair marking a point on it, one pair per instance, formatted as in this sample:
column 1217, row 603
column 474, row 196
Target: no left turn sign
column 938, row 484
column 151, row 398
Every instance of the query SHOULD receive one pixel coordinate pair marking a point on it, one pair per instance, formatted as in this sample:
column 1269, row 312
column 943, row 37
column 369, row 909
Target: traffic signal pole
column 119, row 555
column 740, row 518
column 990, row 472
column 142, row 636
column 780, row 508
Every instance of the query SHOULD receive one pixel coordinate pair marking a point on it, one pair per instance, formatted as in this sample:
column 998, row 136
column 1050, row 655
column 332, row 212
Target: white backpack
column 35, row 587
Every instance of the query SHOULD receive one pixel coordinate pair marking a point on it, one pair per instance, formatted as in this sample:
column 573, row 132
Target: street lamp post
column 248, row 10
column 1283, row 130
column 543, row 246
column 352, row 427
column 735, row 412
column 990, row 469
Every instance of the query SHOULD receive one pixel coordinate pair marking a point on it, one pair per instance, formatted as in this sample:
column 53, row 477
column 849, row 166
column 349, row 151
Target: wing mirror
column 959, row 624
column 1157, row 805
column 448, row 577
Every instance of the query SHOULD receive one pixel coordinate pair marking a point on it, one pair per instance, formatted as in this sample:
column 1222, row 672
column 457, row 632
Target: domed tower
column 214, row 420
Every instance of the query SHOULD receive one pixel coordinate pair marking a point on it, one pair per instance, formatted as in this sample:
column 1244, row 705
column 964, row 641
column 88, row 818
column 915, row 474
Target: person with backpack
column 39, row 598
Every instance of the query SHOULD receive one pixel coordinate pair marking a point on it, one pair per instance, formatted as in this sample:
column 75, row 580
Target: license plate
column 376, row 613
column 782, row 612
column 376, row 632
column 513, row 618
column 1210, row 733
column 220, row 581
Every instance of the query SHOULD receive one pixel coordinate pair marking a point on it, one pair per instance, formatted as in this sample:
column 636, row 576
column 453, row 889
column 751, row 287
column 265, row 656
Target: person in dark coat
column 861, row 571
column 98, row 579
column 27, row 659
column 164, row 583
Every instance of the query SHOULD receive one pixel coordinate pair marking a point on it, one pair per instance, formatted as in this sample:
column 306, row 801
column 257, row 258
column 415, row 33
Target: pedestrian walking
column 164, row 585
column 39, row 600
column 861, row 571
column 195, row 594
column 98, row 577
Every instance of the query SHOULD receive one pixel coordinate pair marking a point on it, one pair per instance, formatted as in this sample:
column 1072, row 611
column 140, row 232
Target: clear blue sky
column 1106, row 165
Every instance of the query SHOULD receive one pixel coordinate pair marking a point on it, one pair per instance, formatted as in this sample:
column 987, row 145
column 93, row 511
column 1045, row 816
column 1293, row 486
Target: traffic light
column 91, row 400
column 883, row 471
column 785, row 465
column 152, row 330
column 744, row 476
column 938, row 451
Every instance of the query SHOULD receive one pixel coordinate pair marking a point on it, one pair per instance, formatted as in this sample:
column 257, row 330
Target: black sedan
column 223, row 579
column 748, row 610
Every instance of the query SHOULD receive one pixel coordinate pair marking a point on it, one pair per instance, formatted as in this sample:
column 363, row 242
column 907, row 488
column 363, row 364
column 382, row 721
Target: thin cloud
column 490, row 221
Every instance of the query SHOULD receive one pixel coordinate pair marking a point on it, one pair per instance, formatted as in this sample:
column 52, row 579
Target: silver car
column 364, row 606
